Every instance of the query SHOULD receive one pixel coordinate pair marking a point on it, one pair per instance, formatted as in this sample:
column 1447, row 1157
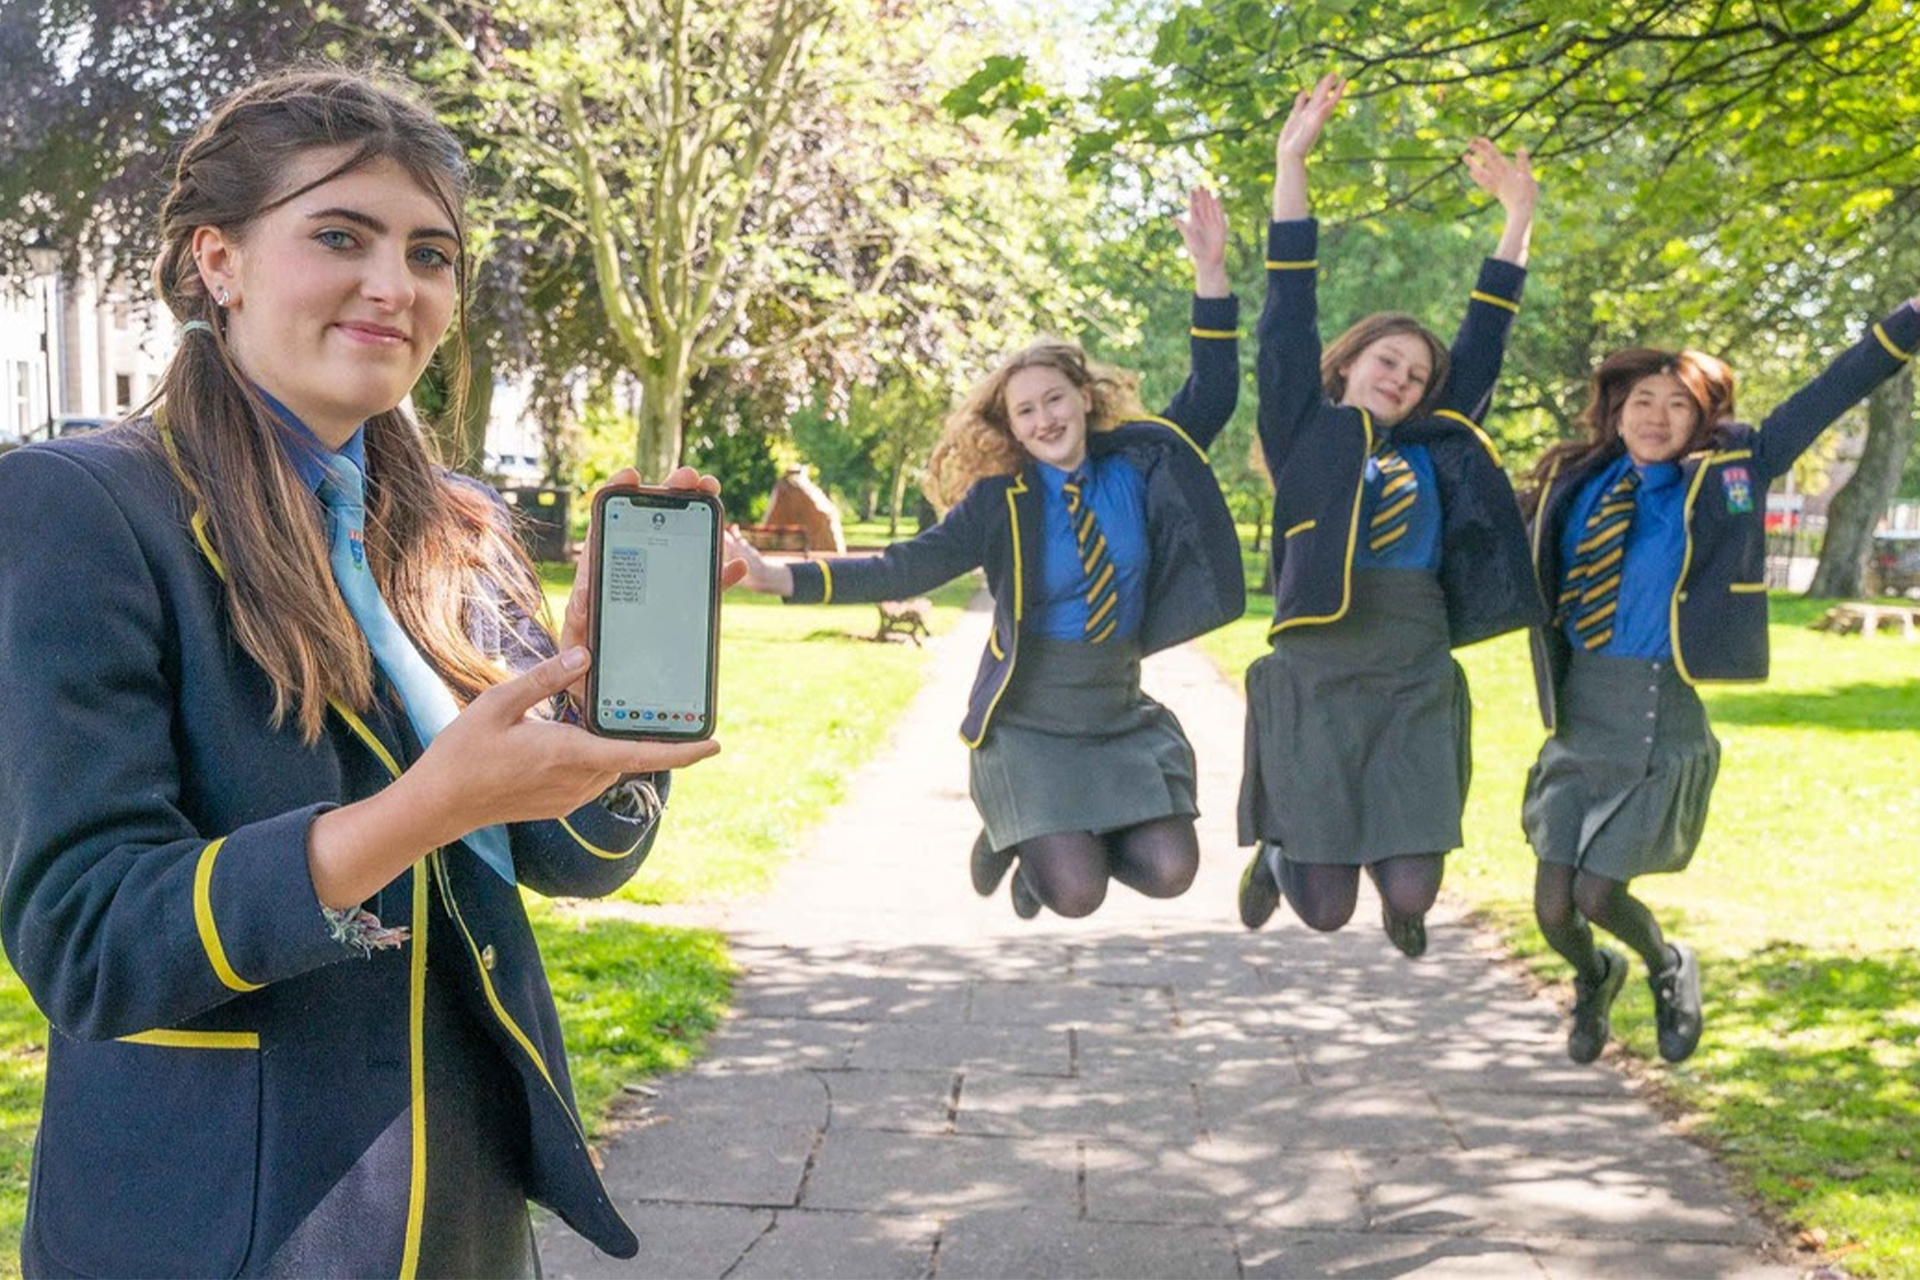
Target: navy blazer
column 1718, row 614
column 1317, row 453
column 1195, row 581
column 219, row 1064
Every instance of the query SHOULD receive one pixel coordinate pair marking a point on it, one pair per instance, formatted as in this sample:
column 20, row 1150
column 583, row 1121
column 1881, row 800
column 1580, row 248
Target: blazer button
column 1683, row 597
column 487, row 957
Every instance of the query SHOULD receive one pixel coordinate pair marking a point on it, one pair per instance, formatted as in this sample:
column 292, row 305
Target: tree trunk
column 899, row 495
column 467, row 439
column 1857, row 507
column 663, row 400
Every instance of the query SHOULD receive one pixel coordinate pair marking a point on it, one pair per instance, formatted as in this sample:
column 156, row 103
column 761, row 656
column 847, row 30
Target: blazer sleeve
column 118, row 914
column 1287, row 361
column 1205, row 403
column 1877, row 356
column 597, row 848
column 905, row 569
column 1481, row 344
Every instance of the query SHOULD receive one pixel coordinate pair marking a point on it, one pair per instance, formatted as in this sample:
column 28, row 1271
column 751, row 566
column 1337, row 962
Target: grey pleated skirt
column 1621, row 788
column 1358, row 731
column 1076, row 746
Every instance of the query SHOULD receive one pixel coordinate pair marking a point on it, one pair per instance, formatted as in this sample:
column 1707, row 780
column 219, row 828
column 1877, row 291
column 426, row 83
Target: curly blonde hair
column 978, row 441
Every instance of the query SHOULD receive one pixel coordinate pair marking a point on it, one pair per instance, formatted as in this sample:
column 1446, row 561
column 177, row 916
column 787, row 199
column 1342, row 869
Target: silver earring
column 225, row 297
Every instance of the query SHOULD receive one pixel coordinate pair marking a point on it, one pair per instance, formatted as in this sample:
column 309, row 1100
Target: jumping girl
column 277, row 755
column 1104, row 538
column 1648, row 538
column 1398, row 540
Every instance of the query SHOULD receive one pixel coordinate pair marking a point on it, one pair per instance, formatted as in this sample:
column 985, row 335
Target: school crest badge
column 1738, row 482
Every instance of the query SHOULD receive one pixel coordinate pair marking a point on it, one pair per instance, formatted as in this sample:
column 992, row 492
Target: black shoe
column 1025, row 904
column 1592, row 1003
column 1676, row 1003
column 1259, row 892
column 988, row 865
column 1409, row 933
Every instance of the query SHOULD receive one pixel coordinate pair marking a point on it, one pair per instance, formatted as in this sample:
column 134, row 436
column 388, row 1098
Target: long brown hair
column 978, row 440
column 1363, row 333
column 436, row 548
column 1708, row 380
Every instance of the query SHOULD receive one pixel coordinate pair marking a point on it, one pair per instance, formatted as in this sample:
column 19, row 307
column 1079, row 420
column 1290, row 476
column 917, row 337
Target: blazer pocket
column 147, row 1159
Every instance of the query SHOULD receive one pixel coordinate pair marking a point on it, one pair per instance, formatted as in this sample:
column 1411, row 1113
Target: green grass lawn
column 1803, row 902
column 804, row 700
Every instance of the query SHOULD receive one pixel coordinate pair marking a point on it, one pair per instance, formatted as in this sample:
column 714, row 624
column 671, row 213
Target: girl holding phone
column 280, row 753
column 1398, row 540
column 1649, row 538
column 1104, row 537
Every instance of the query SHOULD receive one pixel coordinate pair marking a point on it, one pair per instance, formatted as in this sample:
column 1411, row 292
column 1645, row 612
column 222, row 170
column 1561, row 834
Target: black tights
column 1565, row 899
column 1324, row 895
column 1068, row 870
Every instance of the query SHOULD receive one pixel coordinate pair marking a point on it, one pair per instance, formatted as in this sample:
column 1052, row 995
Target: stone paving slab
column 916, row 1083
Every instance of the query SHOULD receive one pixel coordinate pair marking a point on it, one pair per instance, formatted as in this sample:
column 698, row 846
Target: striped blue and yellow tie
column 1393, row 508
column 1103, row 599
column 1590, row 594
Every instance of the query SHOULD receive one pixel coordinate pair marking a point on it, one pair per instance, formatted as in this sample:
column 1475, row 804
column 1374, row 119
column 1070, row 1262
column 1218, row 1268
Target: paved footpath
column 915, row 1083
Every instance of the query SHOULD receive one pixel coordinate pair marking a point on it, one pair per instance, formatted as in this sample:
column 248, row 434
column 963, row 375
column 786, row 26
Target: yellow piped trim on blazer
column 1747, row 588
column 417, row 1075
column 1213, row 333
column 1302, row 527
column 594, row 849
column 826, row 582
column 1018, row 486
column 203, row 921
column 1178, row 430
column 1481, row 295
column 1486, row 441
column 1353, row 537
column 1308, row 265
column 1889, row 344
column 196, row 1039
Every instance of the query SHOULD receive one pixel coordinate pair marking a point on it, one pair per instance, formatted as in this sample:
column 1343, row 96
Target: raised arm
column 1481, row 344
column 1877, row 356
column 1287, row 366
column 1203, row 406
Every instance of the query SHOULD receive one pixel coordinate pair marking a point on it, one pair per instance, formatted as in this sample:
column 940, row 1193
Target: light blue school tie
column 429, row 706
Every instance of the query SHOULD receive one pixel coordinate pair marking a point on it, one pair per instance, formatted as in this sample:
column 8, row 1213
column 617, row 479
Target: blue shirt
column 1650, row 570
column 1118, row 497
column 1420, row 548
column 304, row 450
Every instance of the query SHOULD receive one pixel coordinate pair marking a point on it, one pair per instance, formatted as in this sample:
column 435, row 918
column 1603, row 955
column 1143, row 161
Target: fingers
column 732, row 573
column 610, row 755
column 512, row 699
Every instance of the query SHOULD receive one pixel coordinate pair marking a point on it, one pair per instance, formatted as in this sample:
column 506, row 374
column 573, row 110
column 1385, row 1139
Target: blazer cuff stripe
column 610, row 855
column 1214, row 333
column 1890, row 345
column 1308, row 265
column 826, row 582
column 203, row 920
column 1481, row 295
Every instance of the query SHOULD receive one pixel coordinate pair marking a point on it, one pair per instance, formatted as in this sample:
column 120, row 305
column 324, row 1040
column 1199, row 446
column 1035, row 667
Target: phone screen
column 655, row 614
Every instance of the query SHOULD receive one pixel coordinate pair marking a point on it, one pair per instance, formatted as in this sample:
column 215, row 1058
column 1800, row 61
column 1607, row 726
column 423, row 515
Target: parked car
column 1893, row 566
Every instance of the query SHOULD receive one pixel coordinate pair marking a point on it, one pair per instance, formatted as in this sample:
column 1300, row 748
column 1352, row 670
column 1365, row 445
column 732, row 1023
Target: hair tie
column 191, row 325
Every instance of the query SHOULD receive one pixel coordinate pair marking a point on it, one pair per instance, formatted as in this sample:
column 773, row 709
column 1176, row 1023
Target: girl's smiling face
column 1658, row 419
column 340, row 296
column 1389, row 377
column 1048, row 415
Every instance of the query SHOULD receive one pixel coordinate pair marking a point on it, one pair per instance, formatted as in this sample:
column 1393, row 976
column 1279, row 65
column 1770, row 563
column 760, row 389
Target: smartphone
column 655, row 614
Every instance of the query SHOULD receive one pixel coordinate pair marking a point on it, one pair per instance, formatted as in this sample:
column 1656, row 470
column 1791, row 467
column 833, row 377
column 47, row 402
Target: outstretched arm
column 1481, row 343
column 1287, row 367
column 1203, row 406
column 1311, row 110
column 1877, row 356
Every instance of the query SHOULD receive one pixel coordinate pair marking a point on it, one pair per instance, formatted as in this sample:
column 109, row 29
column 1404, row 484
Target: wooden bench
column 906, row 616
column 775, row 537
column 1844, row 619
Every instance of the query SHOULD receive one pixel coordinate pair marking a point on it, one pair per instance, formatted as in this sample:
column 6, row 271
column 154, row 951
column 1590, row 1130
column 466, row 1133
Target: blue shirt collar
column 1659, row 475
column 304, row 450
column 1053, row 477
